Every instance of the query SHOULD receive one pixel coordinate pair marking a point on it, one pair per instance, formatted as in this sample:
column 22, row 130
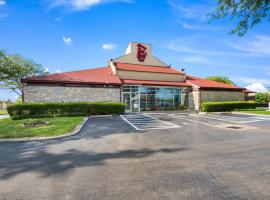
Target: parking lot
column 148, row 121
column 144, row 156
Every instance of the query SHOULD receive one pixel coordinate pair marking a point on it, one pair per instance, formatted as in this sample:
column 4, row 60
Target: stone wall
column 222, row 96
column 37, row 93
column 216, row 95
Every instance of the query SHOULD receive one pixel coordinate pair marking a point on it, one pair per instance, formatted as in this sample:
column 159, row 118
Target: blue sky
column 65, row 35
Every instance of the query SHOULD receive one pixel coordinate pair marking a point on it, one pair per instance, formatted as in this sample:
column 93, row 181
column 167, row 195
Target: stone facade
column 216, row 96
column 38, row 93
column 222, row 96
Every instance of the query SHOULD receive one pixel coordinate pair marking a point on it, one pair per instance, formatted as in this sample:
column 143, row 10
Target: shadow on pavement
column 28, row 159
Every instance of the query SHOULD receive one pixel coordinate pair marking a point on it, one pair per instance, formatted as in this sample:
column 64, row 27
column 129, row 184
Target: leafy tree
column 247, row 12
column 13, row 68
column 263, row 98
column 221, row 79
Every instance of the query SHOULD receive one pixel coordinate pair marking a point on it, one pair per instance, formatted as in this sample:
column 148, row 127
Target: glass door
column 127, row 101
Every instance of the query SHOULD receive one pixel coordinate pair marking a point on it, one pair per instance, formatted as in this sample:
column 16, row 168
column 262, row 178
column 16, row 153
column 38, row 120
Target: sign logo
column 141, row 52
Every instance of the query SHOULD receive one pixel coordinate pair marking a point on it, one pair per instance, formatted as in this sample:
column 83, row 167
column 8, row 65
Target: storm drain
column 234, row 127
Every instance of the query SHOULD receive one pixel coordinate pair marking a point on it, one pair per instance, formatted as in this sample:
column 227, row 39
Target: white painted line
column 153, row 124
column 129, row 123
column 231, row 121
column 193, row 121
column 162, row 121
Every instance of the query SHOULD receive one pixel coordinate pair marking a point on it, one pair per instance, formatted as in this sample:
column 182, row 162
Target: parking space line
column 146, row 122
column 192, row 120
column 162, row 121
column 245, row 120
column 129, row 123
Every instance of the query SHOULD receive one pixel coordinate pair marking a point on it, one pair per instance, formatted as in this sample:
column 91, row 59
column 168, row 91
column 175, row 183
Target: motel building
column 139, row 79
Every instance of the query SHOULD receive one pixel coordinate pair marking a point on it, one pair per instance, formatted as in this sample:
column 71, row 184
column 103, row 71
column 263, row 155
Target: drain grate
column 234, row 127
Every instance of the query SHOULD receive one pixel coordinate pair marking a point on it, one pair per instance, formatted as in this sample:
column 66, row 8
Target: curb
column 72, row 133
column 241, row 113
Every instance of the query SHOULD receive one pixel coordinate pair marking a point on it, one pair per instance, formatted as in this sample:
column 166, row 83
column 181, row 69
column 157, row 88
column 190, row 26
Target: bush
column 29, row 123
column 262, row 98
column 227, row 106
column 42, row 110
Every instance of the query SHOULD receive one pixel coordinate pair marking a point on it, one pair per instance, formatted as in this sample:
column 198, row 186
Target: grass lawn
column 3, row 112
column 57, row 126
column 261, row 112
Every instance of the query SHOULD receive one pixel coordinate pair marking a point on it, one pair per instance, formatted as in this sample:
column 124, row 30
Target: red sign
column 141, row 52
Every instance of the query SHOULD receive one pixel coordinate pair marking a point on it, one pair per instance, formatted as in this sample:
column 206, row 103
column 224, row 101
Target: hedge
column 227, row 106
column 41, row 110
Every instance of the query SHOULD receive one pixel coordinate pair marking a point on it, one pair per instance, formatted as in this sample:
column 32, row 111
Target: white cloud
column 267, row 70
column 2, row 2
column 46, row 69
column 199, row 26
column 258, row 46
column 108, row 46
column 249, row 80
column 82, row 4
column 67, row 40
column 57, row 19
column 195, row 59
column 193, row 44
column 257, row 87
column 58, row 71
column 192, row 12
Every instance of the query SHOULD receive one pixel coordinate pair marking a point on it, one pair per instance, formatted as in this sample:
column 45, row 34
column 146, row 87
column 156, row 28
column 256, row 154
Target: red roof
column 162, row 83
column 146, row 68
column 208, row 84
column 101, row 75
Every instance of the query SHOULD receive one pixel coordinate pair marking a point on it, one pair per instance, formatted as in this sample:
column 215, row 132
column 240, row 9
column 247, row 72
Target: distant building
column 3, row 105
column 137, row 78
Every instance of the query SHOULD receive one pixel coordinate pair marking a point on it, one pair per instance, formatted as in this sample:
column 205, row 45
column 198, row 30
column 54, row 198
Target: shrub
column 227, row 106
column 41, row 110
column 29, row 123
column 262, row 98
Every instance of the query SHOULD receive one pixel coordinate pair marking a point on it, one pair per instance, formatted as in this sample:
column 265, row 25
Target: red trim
column 147, row 68
column 161, row 83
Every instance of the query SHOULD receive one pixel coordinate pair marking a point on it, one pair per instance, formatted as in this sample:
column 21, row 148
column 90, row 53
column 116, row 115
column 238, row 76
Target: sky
column 65, row 35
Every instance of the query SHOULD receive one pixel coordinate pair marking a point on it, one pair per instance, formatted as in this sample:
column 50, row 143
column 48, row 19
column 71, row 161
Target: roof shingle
column 101, row 75
column 208, row 84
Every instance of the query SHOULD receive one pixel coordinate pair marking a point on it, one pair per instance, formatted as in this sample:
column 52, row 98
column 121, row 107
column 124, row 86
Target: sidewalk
column 251, row 114
column 4, row 116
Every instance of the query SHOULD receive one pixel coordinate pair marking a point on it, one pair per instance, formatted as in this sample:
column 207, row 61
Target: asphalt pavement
column 202, row 157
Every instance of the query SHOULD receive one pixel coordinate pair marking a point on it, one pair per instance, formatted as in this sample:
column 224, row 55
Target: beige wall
column 131, row 56
column 196, row 98
column 36, row 93
column 150, row 76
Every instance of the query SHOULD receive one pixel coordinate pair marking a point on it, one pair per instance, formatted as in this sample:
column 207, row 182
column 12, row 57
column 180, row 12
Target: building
column 137, row 78
column 3, row 105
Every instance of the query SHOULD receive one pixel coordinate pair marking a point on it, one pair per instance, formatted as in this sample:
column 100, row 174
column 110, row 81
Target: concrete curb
column 250, row 114
column 72, row 133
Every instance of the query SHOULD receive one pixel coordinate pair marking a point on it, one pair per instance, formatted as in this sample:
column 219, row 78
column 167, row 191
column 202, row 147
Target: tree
column 221, row 79
column 13, row 68
column 262, row 98
column 247, row 12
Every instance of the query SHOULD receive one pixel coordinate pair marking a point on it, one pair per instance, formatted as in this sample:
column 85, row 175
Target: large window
column 151, row 98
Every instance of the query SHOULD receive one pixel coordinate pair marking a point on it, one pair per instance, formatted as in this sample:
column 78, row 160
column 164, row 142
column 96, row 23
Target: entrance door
column 127, row 101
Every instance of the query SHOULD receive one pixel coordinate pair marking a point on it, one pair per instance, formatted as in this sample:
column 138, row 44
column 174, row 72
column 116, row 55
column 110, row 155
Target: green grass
column 58, row 126
column 261, row 112
column 3, row 112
